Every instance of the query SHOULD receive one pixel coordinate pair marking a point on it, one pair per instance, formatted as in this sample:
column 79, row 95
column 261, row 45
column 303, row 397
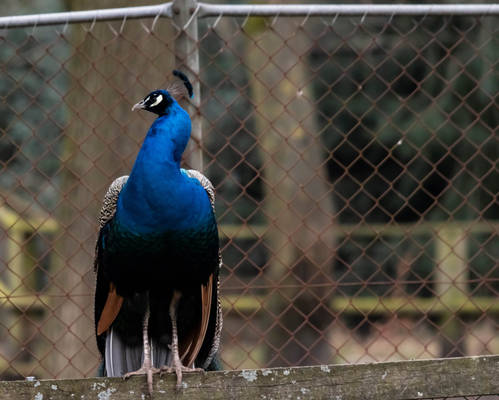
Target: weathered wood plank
column 401, row 380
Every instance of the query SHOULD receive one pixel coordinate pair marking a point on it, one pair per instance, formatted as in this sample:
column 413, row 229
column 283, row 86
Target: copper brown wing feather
column 191, row 344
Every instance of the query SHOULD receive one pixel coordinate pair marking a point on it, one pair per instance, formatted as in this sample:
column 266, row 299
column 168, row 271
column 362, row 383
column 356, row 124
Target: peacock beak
column 140, row 105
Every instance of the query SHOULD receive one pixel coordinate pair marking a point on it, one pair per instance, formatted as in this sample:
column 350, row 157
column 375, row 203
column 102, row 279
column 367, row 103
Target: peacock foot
column 178, row 369
column 144, row 370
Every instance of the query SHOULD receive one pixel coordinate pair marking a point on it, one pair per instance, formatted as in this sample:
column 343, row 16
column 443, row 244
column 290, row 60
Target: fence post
column 451, row 289
column 187, row 59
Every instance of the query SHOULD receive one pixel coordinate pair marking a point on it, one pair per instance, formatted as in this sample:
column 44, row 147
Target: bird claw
column 165, row 369
column 144, row 370
column 178, row 370
column 141, row 371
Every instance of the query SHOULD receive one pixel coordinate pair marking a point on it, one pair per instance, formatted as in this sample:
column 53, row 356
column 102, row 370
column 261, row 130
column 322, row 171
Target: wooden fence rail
column 422, row 379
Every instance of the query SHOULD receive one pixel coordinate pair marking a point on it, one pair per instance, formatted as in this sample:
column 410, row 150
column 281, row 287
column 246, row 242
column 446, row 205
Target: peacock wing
column 203, row 345
column 107, row 301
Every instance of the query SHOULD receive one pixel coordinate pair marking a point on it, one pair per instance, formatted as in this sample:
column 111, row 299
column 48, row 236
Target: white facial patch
column 159, row 99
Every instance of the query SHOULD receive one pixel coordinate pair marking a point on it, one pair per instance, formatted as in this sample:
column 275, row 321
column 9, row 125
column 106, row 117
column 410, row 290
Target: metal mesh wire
column 355, row 163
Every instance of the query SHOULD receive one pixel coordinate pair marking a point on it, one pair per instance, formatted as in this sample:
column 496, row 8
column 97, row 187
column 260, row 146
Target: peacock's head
column 158, row 101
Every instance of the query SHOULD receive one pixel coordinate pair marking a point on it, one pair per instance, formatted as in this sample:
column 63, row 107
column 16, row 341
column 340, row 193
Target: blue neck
column 160, row 155
column 157, row 196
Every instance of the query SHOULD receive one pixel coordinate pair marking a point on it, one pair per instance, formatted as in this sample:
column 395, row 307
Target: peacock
column 157, row 258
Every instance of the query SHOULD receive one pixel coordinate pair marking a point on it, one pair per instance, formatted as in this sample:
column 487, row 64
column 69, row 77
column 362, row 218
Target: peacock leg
column 178, row 367
column 147, row 367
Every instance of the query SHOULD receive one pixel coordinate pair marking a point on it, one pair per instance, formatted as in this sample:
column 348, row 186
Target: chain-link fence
column 354, row 157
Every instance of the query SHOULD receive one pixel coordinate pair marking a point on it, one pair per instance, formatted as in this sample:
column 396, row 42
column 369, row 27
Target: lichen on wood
column 440, row 378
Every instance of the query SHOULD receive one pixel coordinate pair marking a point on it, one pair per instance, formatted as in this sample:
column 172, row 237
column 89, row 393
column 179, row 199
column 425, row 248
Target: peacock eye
column 158, row 100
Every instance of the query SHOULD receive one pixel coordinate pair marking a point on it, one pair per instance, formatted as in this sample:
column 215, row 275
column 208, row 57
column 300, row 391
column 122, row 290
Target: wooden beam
column 341, row 305
column 467, row 376
column 252, row 231
column 381, row 305
column 451, row 274
column 411, row 306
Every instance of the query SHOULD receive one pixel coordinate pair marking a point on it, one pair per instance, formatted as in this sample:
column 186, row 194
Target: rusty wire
column 355, row 162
